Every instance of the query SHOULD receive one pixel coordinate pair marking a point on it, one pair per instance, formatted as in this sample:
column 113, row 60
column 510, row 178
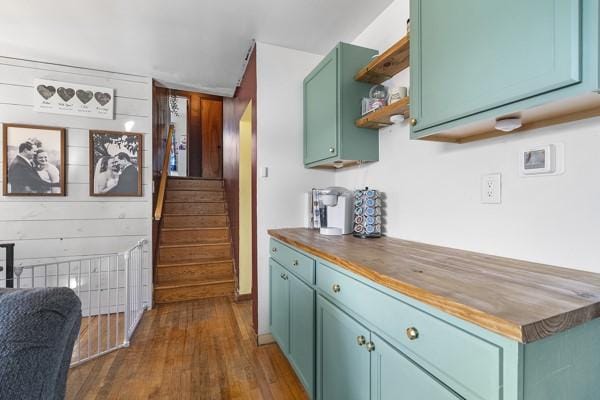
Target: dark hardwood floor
column 202, row 349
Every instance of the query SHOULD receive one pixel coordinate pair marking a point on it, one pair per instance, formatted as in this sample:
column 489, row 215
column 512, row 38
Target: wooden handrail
column 162, row 188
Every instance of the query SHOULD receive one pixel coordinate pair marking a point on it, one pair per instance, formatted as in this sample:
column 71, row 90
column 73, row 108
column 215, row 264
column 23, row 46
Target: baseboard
column 242, row 297
column 265, row 338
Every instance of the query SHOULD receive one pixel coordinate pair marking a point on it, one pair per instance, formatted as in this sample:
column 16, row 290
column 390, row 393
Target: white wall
column 433, row 189
column 50, row 228
column 280, row 72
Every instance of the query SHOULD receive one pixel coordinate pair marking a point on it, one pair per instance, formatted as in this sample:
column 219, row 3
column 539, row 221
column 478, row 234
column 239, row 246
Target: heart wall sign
column 73, row 99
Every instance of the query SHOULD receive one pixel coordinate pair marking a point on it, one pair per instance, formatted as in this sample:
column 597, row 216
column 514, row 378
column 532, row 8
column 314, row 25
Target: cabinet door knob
column 361, row 340
column 295, row 263
column 281, row 276
column 412, row 333
column 331, row 149
column 336, row 288
column 274, row 249
column 370, row 346
column 413, row 121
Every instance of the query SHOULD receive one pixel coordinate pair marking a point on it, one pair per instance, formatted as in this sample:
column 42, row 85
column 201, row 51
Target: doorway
column 245, row 203
column 178, row 162
column 198, row 140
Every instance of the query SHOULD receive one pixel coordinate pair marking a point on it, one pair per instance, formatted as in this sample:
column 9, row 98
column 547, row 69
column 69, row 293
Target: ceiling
column 188, row 44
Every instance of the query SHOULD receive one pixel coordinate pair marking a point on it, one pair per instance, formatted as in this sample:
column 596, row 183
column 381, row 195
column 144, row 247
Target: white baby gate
column 114, row 290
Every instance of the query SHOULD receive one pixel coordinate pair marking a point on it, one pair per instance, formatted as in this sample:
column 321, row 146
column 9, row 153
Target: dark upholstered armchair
column 38, row 328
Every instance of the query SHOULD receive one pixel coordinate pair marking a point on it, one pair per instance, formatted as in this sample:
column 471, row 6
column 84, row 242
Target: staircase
column 194, row 256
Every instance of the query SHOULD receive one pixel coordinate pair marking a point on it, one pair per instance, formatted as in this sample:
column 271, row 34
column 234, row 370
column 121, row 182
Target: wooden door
column 470, row 56
column 302, row 332
column 394, row 376
column 321, row 111
column 343, row 363
column 212, row 138
column 280, row 305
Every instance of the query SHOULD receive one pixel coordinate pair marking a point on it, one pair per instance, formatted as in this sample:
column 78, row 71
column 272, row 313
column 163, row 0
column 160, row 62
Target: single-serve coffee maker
column 332, row 210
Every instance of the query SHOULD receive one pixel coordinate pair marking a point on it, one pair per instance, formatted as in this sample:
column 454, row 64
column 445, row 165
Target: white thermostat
column 538, row 160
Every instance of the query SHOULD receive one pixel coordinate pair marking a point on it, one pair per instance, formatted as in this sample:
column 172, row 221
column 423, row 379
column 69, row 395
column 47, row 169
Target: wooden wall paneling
column 49, row 229
column 212, row 137
column 233, row 109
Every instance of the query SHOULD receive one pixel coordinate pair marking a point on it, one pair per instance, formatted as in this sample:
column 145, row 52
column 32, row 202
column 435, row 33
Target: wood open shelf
column 380, row 118
column 387, row 64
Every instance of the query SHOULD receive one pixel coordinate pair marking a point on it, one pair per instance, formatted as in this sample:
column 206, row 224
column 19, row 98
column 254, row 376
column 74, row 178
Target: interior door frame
column 189, row 94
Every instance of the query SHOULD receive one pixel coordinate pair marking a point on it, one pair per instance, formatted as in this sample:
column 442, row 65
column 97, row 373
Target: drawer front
column 467, row 363
column 298, row 263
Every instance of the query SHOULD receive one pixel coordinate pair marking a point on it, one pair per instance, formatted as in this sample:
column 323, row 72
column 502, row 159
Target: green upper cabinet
column 474, row 60
column 332, row 103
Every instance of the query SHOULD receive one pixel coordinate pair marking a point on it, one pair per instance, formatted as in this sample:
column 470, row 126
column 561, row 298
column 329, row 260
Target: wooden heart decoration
column 65, row 94
column 46, row 91
column 102, row 98
column 84, row 95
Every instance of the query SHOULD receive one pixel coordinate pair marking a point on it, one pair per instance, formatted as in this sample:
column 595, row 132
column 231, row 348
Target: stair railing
column 113, row 292
column 160, row 199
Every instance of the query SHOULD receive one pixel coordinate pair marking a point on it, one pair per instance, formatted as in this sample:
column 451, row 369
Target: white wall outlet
column 491, row 189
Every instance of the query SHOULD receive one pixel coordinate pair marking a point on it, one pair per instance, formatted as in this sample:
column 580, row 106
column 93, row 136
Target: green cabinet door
column 302, row 332
column 280, row 305
column 342, row 364
column 470, row 56
column 321, row 111
column 393, row 377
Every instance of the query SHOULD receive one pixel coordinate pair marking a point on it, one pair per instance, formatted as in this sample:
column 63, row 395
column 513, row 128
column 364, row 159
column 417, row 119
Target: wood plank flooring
column 203, row 349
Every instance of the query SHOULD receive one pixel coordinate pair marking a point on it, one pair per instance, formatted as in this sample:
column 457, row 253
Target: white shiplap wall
column 56, row 228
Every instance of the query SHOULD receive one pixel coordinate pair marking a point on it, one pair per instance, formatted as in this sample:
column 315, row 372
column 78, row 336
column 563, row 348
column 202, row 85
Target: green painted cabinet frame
column 474, row 60
column 565, row 366
column 332, row 104
column 292, row 321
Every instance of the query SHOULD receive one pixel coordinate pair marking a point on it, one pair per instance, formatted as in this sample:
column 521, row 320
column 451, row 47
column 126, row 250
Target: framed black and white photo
column 34, row 160
column 116, row 163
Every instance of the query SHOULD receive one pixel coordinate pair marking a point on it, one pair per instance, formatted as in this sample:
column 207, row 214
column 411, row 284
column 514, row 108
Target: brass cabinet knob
column 361, row 340
column 274, row 249
column 413, row 121
column 331, row 149
column 412, row 333
column 370, row 346
column 336, row 288
column 295, row 263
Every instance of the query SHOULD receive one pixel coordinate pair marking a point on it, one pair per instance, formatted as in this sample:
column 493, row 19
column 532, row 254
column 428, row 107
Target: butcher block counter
column 520, row 300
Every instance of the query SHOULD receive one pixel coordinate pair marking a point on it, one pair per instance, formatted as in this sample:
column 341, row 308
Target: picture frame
column 34, row 160
column 116, row 163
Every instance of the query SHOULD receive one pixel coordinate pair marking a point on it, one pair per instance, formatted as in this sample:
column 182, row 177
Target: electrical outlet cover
column 491, row 189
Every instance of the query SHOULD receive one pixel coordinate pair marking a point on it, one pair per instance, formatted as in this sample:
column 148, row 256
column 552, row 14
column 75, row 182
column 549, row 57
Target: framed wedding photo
column 34, row 160
column 116, row 163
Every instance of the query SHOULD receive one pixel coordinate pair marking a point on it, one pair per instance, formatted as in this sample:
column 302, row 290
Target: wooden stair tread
column 196, row 215
column 172, row 246
column 179, row 285
column 193, row 178
column 194, row 228
column 192, row 263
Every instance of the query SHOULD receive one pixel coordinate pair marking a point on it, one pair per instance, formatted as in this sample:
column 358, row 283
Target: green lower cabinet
column 280, row 305
column 343, row 361
column 347, row 339
column 393, row 376
column 302, row 332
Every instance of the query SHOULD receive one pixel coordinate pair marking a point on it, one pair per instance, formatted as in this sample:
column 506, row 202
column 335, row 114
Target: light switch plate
column 491, row 189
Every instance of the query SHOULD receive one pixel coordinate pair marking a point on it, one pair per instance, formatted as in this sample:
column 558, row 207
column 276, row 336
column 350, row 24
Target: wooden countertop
column 520, row 300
